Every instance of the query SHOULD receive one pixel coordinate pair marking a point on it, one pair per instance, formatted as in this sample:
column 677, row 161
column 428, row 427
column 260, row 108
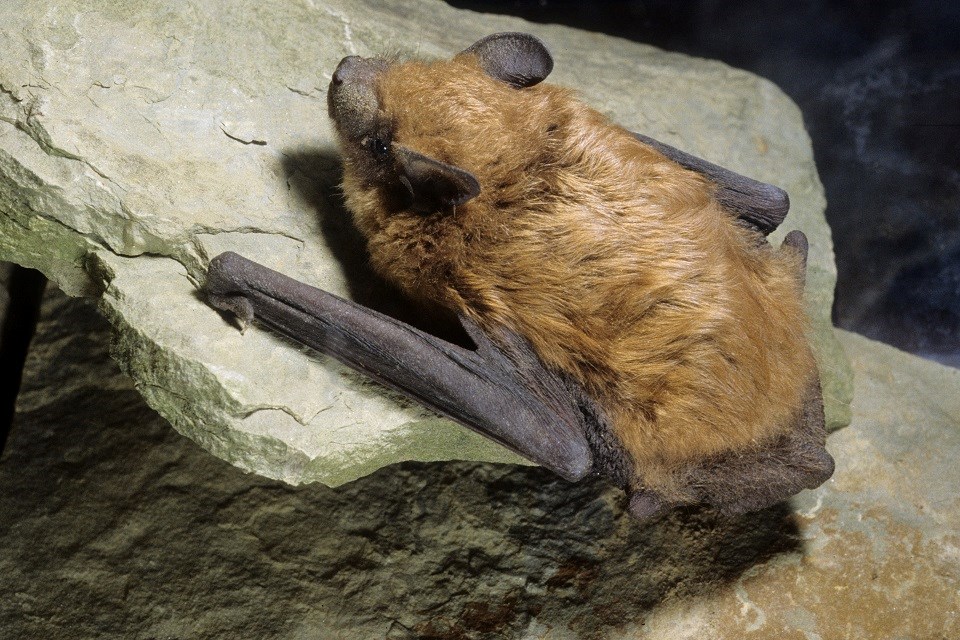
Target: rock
column 138, row 141
column 116, row 527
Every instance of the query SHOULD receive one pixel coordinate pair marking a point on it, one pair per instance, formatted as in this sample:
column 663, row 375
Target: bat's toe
column 645, row 505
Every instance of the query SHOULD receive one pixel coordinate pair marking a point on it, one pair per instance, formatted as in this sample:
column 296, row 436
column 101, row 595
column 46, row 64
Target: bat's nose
column 347, row 67
column 351, row 96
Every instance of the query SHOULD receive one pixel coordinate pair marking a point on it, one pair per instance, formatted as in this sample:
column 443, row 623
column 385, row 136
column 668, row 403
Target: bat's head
column 429, row 136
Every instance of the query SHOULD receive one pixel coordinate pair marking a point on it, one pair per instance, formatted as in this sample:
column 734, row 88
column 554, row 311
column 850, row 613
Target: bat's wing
column 500, row 389
column 760, row 205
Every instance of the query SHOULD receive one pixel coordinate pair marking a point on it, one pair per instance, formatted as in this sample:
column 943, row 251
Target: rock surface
column 116, row 527
column 139, row 140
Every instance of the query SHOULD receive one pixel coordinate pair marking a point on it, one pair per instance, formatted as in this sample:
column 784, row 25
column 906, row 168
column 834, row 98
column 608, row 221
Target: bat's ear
column 519, row 59
column 434, row 185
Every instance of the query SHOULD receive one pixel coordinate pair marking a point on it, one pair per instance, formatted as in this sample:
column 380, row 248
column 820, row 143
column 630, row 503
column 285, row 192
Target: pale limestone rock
column 139, row 140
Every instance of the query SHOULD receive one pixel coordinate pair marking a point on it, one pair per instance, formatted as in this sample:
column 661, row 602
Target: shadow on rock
column 521, row 544
column 314, row 174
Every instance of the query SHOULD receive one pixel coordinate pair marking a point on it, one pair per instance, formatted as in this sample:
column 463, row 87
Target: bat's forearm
column 503, row 391
column 483, row 389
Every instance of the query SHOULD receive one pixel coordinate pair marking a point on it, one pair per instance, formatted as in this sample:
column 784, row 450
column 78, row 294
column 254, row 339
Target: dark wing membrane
column 501, row 390
column 760, row 205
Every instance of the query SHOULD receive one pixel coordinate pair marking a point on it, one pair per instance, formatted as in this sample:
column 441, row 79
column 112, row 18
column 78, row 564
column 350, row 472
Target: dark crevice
column 25, row 288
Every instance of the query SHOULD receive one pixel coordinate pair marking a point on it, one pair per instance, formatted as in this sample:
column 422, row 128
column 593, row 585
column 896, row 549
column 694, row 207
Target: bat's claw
column 226, row 284
column 237, row 304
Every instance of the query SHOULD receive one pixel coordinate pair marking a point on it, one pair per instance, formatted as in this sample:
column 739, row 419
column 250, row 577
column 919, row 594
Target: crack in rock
column 242, row 132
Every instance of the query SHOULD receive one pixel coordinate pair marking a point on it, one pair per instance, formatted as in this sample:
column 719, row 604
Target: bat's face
column 429, row 136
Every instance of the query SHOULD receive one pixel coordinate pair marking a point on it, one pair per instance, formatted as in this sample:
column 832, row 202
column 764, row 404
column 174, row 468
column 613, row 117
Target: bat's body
column 632, row 278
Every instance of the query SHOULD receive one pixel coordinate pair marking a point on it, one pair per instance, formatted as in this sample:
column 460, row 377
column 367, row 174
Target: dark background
column 879, row 86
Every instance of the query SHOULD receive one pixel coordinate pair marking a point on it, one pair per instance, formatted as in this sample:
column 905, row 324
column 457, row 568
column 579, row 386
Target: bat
column 628, row 317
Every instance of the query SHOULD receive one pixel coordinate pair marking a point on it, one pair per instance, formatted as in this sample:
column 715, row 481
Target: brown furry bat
column 525, row 212
column 618, row 265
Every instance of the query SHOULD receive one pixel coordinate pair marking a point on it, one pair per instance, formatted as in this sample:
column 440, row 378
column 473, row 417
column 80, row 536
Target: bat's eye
column 378, row 147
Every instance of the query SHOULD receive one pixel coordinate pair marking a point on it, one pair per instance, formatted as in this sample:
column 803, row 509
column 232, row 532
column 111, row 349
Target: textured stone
column 116, row 527
column 139, row 140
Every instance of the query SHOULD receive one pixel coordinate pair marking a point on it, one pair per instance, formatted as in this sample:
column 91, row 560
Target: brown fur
column 617, row 264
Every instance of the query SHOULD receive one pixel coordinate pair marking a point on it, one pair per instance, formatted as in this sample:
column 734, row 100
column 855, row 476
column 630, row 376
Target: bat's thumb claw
column 236, row 304
column 226, row 283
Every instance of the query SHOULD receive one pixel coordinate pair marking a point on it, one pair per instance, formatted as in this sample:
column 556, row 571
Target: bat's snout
column 347, row 67
column 352, row 98
column 354, row 70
